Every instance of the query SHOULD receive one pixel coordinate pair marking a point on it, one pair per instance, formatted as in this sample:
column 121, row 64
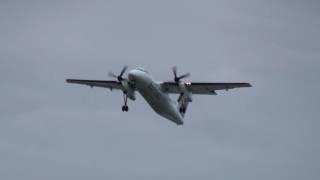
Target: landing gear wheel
column 125, row 108
column 182, row 110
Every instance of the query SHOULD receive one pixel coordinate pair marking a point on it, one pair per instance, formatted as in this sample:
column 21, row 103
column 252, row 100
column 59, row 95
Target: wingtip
column 68, row 80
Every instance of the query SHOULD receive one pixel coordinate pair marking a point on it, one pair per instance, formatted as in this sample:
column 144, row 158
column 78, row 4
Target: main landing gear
column 125, row 107
column 182, row 110
column 182, row 101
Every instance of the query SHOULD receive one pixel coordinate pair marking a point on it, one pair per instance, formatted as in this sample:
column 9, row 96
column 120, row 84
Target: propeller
column 176, row 77
column 119, row 77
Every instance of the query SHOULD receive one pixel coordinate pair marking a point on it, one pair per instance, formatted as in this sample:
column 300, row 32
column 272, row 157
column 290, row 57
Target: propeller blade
column 119, row 77
column 184, row 76
column 123, row 70
column 176, row 77
column 111, row 74
column 174, row 70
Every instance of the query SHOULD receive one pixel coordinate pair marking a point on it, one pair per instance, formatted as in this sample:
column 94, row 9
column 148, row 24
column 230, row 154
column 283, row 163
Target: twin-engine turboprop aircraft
column 157, row 93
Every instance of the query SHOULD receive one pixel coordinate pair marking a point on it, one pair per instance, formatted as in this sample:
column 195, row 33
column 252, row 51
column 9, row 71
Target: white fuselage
column 151, row 91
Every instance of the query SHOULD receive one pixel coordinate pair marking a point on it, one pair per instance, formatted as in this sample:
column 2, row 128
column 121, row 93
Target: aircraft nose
column 133, row 75
column 179, row 120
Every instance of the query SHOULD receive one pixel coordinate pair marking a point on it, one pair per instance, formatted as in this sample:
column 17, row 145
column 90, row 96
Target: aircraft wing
column 97, row 83
column 201, row 87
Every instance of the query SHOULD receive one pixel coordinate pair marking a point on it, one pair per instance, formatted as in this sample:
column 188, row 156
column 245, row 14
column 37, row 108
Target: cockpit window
column 143, row 70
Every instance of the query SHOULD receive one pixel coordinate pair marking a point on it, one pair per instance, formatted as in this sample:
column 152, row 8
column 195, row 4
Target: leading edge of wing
column 89, row 81
column 203, row 87
column 96, row 83
column 237, row 84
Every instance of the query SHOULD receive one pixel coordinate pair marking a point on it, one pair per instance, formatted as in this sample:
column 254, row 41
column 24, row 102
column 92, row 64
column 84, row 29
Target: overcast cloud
column 53, row 130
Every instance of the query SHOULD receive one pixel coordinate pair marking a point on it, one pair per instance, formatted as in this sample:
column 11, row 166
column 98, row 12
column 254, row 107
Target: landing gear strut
column 183, row 103
column 125, row 107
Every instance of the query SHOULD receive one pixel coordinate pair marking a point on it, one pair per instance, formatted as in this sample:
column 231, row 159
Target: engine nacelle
column 129, row 90
column 187, row 94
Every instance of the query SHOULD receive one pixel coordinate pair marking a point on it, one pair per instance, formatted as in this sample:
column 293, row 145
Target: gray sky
column 52, row 130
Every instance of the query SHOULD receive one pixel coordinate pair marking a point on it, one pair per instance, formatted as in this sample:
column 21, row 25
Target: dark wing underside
column 96, row 83
column 200, row 87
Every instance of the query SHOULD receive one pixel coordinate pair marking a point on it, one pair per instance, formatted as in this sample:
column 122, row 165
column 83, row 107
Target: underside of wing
column 201, row 87
column 96, row 83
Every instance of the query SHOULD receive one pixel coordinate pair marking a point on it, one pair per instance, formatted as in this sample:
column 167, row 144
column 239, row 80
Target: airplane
column 157, row 93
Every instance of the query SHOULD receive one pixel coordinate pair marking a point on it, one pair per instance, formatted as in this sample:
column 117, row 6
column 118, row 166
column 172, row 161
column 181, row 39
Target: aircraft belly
column 160, row 103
